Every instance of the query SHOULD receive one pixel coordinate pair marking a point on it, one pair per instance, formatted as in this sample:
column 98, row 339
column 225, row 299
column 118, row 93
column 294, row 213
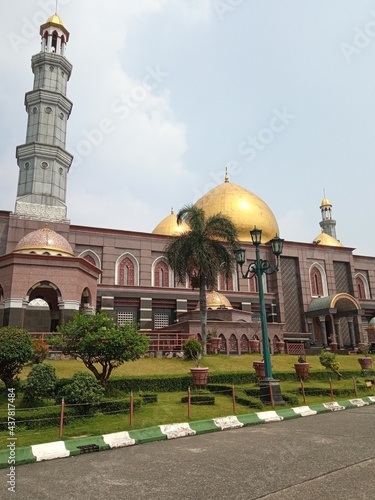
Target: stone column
column 322, row 321
column 310, row 328
column 338, row 331
column 351, row 332
column 14, row 312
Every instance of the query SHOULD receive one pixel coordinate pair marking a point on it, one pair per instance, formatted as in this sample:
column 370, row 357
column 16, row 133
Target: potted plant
column 366, row 362
column 280, row 346
column 254, row 345
column 193, row 350
column 213, row 341
column 302, row 366
column 259, row 368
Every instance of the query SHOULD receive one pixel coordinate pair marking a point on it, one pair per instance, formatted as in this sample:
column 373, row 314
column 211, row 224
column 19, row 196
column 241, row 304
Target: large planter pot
column 366, row 363
column 302, row 369
column 259, row 368
column 254, row 345
column 280, row 346
column 215, row 344
column 200, row 376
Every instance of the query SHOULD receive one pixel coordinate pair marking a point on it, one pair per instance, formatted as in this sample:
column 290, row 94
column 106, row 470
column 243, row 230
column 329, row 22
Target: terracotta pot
column 215, row 343
column 302, row 369
column 259, row 368
column 366, row 363
column 333, row 347
column 254, row 345
column 200, row 376
column 280, row 346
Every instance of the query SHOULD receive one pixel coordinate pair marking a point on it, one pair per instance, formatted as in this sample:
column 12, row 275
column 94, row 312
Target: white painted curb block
column 304, row 411
column 118, row 439
column 174, row 431
column 230, row 422
column 269, row 416
column 49, row 451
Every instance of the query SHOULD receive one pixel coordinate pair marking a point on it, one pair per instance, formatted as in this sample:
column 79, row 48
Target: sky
column 168, row 93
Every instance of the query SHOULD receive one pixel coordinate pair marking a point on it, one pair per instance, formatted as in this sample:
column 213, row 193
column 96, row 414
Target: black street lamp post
column 270, row 391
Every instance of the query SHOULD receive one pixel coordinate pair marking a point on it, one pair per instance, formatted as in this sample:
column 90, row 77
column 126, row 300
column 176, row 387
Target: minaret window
column 54, row 41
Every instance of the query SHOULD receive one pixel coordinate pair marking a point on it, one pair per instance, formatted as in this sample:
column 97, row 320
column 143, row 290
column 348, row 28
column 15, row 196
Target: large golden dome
column 244, row 208
column 44, row 241
column 169, row 226
column 326, row 239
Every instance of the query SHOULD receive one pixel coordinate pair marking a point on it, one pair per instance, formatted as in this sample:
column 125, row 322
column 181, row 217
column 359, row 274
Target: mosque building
column 51, row 268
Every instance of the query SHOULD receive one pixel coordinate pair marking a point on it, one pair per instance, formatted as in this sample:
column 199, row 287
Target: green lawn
column 169, row 408
column 217, row 364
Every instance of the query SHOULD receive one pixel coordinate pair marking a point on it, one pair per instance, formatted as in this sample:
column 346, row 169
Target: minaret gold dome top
column 55, row 19
column 325, row 203
column 243, row 207
column 169, row 226
column 326, row 239
column 56, row 22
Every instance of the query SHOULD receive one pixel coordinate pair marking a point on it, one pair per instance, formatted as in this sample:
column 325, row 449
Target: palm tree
column 202, row 253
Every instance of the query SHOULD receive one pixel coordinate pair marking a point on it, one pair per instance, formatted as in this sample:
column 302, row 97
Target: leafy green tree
column 329, row 361
column 100, row 343
column 202, row 253
column 16, row 349
column 83, row 391
column 40, row 382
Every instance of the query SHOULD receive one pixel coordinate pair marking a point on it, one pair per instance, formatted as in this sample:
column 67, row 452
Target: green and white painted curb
column 70, row 447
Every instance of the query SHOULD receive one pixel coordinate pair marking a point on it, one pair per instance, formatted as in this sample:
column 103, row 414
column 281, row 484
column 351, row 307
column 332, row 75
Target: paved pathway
column 327, row 456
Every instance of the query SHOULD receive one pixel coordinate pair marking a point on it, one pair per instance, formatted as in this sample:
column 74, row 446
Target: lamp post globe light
column 270, row 391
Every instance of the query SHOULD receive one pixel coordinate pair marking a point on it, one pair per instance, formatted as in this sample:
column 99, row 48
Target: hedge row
column 50, row 417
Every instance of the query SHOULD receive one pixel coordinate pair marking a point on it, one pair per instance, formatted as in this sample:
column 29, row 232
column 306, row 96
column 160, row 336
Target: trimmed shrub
column 290, row 399
column 199, row 399
column 83, row 391
column 40, row 383
column 192, row 349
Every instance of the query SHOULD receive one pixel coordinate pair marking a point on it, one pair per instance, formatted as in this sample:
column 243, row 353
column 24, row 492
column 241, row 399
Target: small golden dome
column 169, row 226
column 244, row 208
column 325, row 203
column 44, row 241
column 55, row 19
column 216, row 300
column 326, row 239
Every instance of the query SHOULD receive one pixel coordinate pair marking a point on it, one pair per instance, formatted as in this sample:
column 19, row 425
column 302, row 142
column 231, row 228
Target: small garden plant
column 329, row 361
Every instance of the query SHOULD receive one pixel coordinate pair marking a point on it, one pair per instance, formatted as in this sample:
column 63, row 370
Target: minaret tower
column 327, row 224
column 43, row 160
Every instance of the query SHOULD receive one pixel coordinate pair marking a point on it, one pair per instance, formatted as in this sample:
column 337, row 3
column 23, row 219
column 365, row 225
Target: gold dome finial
column 226, row 174
column 172, row 211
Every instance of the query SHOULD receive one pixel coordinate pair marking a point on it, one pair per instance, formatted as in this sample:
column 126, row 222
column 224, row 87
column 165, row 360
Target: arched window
column 225, row 283
column 90, row 259
column 126, row 272
column 161, row 274
column 363, row 290
column 318, row 282
column 253, row 284
column 54, row 41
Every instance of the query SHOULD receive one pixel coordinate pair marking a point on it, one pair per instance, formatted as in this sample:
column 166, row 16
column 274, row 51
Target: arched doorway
column 42, row 313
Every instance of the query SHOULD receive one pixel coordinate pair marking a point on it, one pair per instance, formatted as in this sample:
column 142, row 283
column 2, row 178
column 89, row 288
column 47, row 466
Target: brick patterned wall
column 291, row 282
column 342, row 277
